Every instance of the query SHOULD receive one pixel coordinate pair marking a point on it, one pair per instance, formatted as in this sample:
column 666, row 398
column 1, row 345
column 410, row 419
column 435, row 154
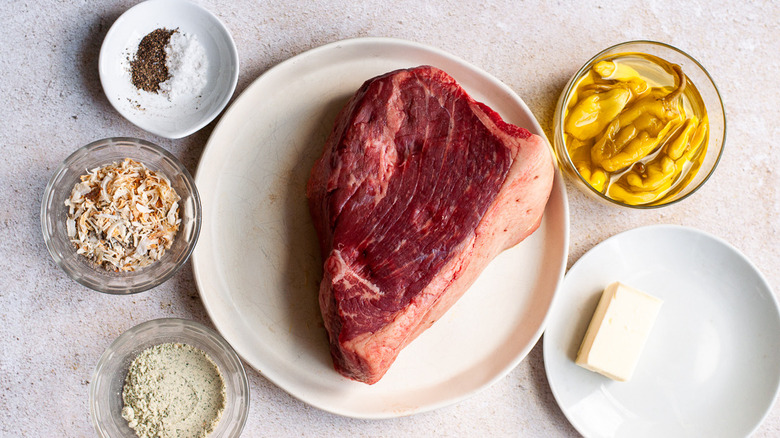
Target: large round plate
column 257, row 264
column 711, row 366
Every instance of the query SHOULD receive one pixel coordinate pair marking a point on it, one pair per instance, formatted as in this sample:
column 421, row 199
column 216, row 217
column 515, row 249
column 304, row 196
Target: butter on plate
column 618, row 331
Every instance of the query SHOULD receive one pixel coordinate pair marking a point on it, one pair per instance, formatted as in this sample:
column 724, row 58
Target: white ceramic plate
column 178, row 118
column 257, row 263
column 711, row 366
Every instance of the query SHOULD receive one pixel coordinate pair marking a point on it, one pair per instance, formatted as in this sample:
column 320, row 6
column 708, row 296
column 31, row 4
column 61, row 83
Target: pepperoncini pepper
column 634, row 142
column 593, row 113
column 641, row 122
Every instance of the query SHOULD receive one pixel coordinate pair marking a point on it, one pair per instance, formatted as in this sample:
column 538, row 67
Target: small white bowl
column 180, row 118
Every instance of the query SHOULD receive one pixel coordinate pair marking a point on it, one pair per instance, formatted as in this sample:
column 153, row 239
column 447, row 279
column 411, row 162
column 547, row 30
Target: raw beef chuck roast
column 418, row 189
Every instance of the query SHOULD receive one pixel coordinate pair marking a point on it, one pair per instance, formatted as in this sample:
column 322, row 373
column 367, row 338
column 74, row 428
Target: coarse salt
column 186, row 61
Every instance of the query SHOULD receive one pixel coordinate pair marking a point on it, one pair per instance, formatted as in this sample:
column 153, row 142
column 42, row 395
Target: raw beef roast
column 418, row 189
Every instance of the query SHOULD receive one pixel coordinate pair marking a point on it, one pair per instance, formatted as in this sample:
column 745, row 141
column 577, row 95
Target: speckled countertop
column 53, row 330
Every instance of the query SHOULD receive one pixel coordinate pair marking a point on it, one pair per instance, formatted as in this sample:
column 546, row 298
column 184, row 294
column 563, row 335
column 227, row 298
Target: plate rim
column 547, row 347
column 211, row 147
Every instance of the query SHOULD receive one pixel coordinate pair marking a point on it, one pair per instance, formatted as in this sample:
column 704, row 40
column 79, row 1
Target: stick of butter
column 618, row 331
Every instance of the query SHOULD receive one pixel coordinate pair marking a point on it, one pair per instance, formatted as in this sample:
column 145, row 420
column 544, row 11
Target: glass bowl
column 105, row 391
column 97, row 154
column 711, row 100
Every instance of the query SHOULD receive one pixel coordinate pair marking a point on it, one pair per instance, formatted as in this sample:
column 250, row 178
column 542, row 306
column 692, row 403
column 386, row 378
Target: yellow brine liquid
column 636, row 128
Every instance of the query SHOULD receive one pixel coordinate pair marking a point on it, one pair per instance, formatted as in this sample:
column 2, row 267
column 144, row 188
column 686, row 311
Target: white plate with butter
column 711, row 363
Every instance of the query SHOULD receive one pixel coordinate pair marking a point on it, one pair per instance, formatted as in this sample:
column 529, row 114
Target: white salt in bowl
column 183, row 115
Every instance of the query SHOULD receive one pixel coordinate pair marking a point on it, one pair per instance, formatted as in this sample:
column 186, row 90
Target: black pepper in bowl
column 148, row 68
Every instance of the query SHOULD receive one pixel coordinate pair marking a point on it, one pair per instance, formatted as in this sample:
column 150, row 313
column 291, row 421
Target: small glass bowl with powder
column 146, row 248
column 162, row 347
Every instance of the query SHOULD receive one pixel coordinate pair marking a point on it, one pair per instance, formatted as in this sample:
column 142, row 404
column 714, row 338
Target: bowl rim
column 126, row 19
column 558, row 129
column 48, row 234
column 182, row 324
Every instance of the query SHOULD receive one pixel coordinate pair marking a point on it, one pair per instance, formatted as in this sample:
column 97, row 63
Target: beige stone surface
column 52, row 330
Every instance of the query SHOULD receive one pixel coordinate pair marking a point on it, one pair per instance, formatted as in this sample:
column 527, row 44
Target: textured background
column 52, row 330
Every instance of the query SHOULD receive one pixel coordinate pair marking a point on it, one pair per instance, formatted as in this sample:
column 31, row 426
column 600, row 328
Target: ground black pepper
column 148, row 68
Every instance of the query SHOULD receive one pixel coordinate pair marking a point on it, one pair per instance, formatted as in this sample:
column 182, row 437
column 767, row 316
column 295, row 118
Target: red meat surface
column 419, row 187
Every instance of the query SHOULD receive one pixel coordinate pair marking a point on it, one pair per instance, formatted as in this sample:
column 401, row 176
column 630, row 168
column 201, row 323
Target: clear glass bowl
column 98, row 154
column 710, row 96
column 105, row 391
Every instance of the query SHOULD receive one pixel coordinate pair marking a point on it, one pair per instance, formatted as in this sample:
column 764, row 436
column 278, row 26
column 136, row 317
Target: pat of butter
column 617, row 333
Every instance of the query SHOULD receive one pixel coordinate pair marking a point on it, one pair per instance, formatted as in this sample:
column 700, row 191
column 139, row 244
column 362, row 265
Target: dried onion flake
column 123, row 216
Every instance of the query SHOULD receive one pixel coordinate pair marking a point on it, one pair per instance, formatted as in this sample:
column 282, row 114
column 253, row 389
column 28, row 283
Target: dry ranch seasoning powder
column 173, row 390
column 122, row 216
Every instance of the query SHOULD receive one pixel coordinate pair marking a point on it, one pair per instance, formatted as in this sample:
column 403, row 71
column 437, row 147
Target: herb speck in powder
column 148, row 69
